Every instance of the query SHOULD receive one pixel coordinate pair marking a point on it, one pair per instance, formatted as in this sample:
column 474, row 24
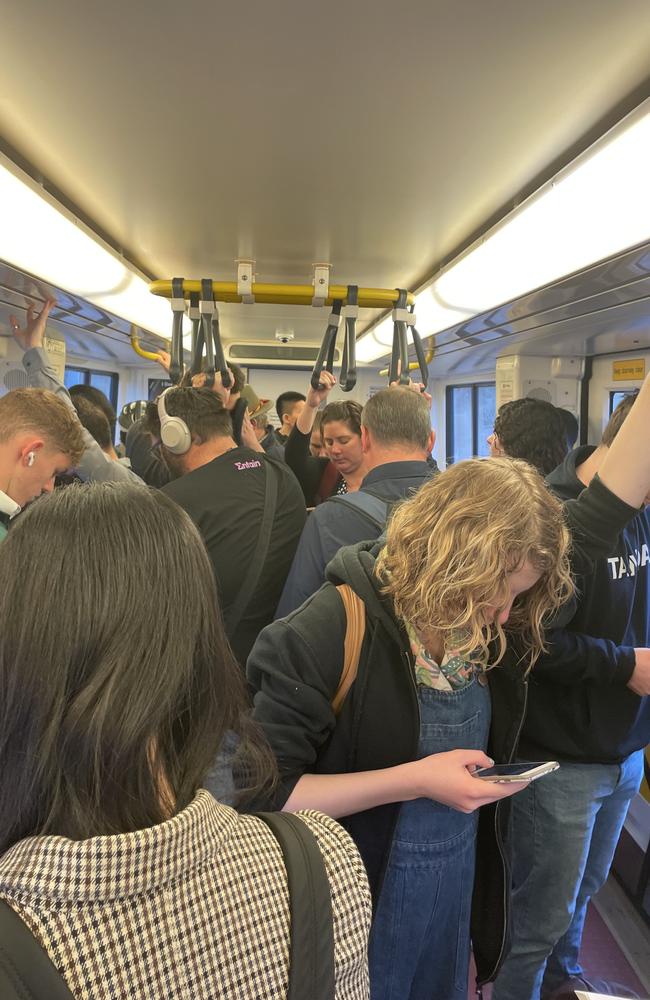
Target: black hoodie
column 579, row 707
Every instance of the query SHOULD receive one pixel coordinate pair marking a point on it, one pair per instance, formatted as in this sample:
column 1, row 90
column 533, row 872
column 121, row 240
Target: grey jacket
column 94, row 464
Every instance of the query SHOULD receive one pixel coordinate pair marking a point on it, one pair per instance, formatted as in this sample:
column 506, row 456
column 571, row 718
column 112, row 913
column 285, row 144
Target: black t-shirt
column 225, row 499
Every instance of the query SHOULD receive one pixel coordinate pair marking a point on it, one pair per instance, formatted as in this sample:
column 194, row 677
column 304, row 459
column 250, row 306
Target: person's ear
column 366, row 440
column 432, row 442
column 29, row 451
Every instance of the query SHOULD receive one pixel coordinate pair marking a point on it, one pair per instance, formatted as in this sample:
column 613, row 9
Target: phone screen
column 508, row 770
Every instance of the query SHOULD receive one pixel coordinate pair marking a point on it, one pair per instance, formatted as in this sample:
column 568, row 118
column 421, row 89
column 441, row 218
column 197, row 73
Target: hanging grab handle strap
column 219, row 357
column 348, row 378
column 207, row 307
column 194, row 314
column 419, row 349
column 325, row 359
column 176, row 352
column 399, row 361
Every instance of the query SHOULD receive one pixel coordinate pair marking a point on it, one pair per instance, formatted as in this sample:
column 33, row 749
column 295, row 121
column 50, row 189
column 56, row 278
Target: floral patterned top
column 451, row 675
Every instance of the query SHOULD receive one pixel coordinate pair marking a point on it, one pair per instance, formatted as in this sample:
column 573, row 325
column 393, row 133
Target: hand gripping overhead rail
column 346, row 301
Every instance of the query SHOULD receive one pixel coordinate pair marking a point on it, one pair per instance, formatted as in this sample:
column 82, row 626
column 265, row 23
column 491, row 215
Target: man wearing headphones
column 247, row 506
column 39, row 438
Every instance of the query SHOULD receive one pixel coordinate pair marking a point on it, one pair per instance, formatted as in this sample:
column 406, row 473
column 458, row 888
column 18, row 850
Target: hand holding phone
column 527, row 771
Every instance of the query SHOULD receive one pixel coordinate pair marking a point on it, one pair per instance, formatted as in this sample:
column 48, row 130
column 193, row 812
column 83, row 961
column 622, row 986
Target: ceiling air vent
column 280, row 354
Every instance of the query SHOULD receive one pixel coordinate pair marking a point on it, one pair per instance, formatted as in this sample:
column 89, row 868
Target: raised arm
column 626, row 467
column 40, row 374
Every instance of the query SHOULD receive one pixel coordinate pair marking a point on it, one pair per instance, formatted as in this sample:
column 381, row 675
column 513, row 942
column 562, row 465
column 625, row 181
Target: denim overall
column 420, row 938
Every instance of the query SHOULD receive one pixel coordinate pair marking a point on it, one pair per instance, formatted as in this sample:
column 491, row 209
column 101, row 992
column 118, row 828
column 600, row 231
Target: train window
column 158, row 385
column 106, row 382
column 616, row 397
column 470, row 416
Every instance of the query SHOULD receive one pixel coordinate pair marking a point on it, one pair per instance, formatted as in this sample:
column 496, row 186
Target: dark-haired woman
column 342, row 468
column 116, row 689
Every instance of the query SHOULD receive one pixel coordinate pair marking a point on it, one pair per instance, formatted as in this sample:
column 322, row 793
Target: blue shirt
column 332, row 525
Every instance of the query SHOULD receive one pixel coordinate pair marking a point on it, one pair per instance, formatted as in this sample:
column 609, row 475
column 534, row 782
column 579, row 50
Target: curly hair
column 533, row 430
column 450, row 549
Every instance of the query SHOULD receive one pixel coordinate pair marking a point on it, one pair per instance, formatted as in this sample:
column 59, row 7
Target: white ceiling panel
column 373, row 135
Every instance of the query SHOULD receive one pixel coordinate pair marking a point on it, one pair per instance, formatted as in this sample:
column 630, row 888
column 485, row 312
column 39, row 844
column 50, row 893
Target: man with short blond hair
column 39, row 438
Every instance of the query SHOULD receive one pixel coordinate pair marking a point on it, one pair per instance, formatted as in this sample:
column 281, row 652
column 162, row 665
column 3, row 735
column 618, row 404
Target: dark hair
column 398, row 416
column 238, row 378
column 533, row 430
column 201, row 409
column 97, row 398
column 346, row 410
column 117, row 684
column 618, row 418
column 571, row 426
column 94, row 420
column 285, row 402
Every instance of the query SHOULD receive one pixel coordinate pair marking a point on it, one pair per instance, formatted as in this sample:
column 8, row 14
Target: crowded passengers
column 360, row 662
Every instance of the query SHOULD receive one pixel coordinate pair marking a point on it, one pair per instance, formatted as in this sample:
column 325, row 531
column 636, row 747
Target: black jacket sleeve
column 574, row 657
column 595, row 520
column 307, row 469
column 294, row 670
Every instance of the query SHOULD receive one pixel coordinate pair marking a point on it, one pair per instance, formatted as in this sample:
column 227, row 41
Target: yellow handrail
column 135, row 344
column 290, row 295
column 413, row 365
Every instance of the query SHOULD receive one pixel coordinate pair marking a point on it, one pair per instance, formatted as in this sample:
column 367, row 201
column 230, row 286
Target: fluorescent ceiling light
column 596, row 207
column 40, row 236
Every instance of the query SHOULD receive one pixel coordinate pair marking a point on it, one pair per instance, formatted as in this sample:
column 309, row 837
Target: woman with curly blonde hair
column 482, row 546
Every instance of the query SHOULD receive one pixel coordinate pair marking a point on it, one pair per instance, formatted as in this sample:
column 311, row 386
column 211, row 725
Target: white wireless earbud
column 30, row 458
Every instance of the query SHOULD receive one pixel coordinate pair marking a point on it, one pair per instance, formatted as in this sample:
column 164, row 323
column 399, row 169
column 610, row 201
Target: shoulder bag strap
column 233, row 615
column 371, row 508
column 26, row 972
column 311, row 955
column 355, row 613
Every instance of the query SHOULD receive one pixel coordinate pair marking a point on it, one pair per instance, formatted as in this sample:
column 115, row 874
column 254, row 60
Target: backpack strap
column 235, row 612
column 26, row 972
column 371, row 508
column 355, row 630
column 311, row 955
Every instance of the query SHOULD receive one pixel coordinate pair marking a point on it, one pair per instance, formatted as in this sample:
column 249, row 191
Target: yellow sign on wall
column 628, row 371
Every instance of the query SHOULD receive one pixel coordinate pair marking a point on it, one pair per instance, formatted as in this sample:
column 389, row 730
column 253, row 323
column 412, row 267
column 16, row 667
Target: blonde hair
column 42, row 412
column 450, row 549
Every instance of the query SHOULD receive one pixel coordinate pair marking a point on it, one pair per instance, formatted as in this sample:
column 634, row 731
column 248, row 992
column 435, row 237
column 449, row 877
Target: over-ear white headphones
column 30, row 457
column 174, row 432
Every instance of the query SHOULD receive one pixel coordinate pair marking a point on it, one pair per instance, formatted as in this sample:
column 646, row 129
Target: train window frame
column 621, row 393
column 88, row 374
column 475, row 388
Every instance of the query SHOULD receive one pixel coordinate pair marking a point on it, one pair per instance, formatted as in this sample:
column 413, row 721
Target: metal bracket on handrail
column 321, row 284
column 348, row 377
column 325, row 359
column 245, row 279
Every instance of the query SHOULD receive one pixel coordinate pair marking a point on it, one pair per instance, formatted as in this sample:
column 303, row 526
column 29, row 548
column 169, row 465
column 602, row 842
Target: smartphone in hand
column 527, row 771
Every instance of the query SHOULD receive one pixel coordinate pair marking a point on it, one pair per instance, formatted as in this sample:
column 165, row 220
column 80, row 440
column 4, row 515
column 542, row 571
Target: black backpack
column 26, row 972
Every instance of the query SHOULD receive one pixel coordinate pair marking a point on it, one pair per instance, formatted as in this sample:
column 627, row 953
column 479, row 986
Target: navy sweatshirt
column 579, row 707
